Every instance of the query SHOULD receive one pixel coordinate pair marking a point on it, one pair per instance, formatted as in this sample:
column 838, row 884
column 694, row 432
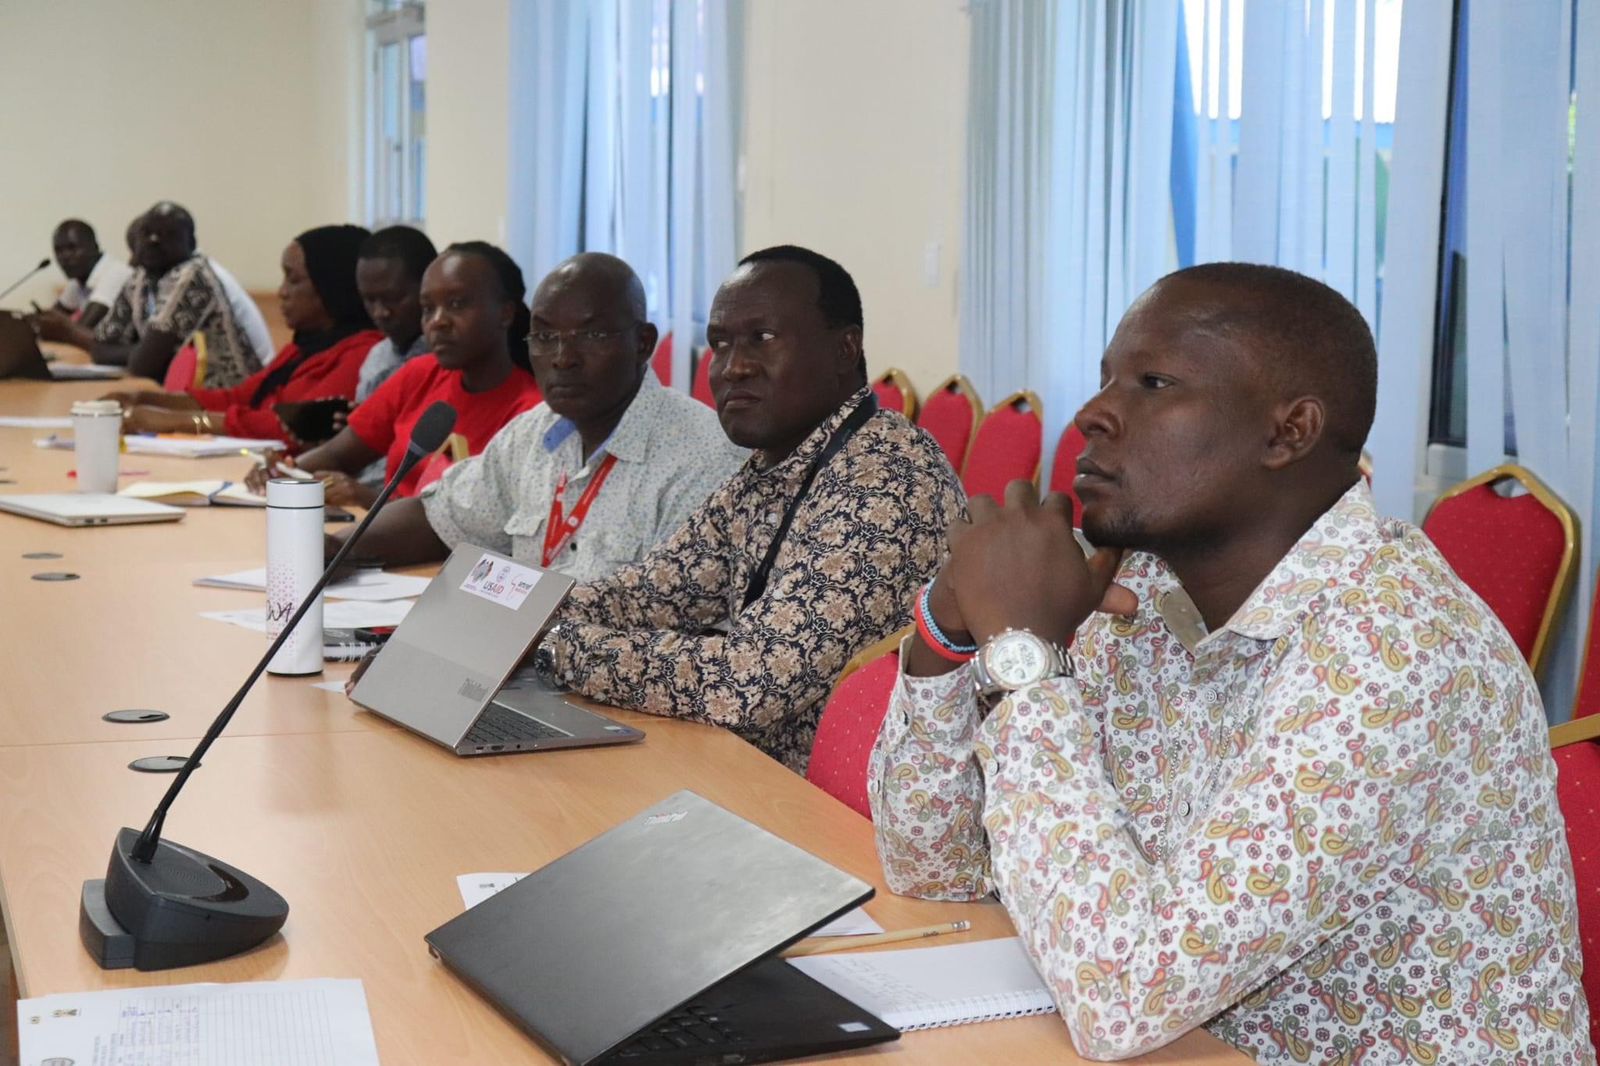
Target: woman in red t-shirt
column 476, row 325
column 295, row 397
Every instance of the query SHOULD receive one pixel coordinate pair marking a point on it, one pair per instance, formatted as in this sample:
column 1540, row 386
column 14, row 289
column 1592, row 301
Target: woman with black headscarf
column 295, row 398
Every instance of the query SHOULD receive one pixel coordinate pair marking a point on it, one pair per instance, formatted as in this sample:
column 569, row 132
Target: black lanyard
column 858, row 418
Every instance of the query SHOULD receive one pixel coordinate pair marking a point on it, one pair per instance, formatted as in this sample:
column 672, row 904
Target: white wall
column 237, row 109
column 468, row 79
column 854, row 141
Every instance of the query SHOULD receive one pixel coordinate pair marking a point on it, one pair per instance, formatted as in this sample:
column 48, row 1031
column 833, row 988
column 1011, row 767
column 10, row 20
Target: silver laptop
column 20, row 356
column 444, row 672
column 89, row 509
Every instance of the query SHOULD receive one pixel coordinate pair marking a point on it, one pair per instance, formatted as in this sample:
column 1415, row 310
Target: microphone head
column 43, row 263
column 432, row 428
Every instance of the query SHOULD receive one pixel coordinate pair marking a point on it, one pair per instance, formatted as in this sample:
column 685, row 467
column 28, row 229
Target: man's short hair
column 837, row 295
column 410, row 246
column 1313, row 339
column 78, row 226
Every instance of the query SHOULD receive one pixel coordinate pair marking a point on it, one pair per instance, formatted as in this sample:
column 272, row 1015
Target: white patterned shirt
column 1327, row 831
column 671, row 454
column 102, row 286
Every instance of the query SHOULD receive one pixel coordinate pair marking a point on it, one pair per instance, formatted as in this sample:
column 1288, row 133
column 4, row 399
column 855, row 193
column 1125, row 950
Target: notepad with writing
column 926, row 988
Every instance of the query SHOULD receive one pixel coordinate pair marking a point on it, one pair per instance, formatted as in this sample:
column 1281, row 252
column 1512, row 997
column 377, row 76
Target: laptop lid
column 89, row 509
column 606, row 939
column 19, row 348
column 470, row 628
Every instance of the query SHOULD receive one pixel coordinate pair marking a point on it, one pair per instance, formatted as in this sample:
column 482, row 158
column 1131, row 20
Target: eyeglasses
column 583, row 341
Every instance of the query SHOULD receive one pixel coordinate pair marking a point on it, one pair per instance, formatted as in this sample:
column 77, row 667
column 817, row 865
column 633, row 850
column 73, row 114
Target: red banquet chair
column 701, row 388
column 850, row 723
column 661, row 361
column 1514, row 550
column 895, row 393
column 1575, row 746
column 1007, row 447
column 1065, row 467
column 951, row 414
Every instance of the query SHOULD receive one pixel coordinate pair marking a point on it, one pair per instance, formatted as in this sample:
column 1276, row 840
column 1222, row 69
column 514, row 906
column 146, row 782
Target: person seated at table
column 389, row 271
column 314, row 376
column 747, row 613
column 1292, row 783
column 94, row 279
column 475, row 324
column 609, row 463
column 173, row 295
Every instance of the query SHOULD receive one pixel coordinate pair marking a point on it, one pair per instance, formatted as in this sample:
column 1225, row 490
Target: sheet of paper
column 329, row 686
column 337, row 614
column 33, row 422
column 475, row 888
column 186, row 446
column 196, row 493
column 265, row 1023
column 364, row 585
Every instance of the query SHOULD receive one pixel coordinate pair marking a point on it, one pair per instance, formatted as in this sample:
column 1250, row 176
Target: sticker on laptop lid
column 500, row 581
column 666, row 817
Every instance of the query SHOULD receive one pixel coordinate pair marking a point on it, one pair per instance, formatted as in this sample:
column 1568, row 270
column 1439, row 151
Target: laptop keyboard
column 501, row 725
column 694, row 1026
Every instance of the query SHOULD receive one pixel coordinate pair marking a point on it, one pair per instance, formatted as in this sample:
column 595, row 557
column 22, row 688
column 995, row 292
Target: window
column 397, row 73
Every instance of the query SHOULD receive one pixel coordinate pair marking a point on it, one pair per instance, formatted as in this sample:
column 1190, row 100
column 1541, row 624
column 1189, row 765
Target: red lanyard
column 560, row 528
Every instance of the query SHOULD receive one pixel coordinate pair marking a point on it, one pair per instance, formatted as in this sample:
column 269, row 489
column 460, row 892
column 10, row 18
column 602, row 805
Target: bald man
column 1292, row 781
column 590, row 479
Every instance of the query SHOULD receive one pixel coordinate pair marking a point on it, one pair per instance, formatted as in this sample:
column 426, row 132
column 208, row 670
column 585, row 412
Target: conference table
column 361, row 825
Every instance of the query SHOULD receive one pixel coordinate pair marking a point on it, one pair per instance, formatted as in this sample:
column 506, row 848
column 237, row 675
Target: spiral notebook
column 926, row 988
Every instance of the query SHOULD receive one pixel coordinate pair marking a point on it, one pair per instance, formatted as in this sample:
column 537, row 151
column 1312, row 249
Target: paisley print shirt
column 1328, row 831
column 670, row 634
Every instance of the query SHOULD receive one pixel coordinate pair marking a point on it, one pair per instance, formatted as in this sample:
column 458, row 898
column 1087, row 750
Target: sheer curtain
column 622, row 128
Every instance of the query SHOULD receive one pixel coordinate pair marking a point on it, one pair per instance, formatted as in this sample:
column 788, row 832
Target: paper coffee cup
column 97, row 442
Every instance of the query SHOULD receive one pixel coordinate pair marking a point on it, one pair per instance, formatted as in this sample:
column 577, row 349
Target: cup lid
column 96, row 407
column 291, row 492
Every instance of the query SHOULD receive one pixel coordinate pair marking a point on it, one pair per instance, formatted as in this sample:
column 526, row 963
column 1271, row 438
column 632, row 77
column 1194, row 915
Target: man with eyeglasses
column 590, row 479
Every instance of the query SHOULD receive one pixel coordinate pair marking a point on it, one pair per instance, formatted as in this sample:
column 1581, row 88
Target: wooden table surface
column 361, row 825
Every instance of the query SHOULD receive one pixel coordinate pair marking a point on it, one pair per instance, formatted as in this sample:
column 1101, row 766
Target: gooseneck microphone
column 163, row 905
column 15, row 284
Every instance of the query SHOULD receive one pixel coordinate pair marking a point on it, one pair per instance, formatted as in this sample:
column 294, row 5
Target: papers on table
column 475, row 888
column 176, row 445
column 339, row 614
column 372, row 585
column 195, row 493
column 259, row 1023
column 34, row 422
column 329, row 686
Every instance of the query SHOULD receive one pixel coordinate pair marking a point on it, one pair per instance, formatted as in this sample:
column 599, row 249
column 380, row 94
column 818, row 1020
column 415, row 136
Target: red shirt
column 330, row 373
column 383, row 423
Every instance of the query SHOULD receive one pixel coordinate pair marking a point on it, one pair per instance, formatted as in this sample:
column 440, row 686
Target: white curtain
column 1068, row 210
column 622, row 141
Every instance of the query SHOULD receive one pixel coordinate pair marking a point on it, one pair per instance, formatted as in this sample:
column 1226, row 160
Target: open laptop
column 89, row 509
column 444, row 671
column 20, row 356
column 658, row 941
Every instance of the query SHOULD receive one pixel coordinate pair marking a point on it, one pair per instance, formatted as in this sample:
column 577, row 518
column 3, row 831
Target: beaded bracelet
column 934, row 637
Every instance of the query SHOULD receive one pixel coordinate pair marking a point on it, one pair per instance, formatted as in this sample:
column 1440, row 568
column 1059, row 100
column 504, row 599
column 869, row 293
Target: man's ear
column 647, row 342
column 849, row 351
column 1297, row 427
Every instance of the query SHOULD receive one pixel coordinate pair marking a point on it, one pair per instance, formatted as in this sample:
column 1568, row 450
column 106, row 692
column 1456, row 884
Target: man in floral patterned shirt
column 1292, row 781
column 692, row 630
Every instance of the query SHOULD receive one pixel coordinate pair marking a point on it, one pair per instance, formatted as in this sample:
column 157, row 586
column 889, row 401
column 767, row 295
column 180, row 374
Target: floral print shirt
column 670, row 634
column 1328, row 831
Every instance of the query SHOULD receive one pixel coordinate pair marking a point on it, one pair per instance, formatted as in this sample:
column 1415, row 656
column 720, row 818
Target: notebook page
column 268, row 1023
column 923, row 988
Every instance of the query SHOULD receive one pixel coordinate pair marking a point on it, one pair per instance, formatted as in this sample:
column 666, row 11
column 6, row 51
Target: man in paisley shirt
column 695, row 629
column 1292, row 780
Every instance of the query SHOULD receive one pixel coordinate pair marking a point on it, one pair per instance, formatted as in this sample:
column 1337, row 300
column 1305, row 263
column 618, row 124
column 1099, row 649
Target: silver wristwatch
column 1016, row 658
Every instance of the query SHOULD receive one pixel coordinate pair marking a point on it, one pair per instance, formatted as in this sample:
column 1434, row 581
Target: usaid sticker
column 501, row 581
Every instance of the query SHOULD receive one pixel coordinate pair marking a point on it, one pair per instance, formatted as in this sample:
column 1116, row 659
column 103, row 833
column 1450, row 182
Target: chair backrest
column 951, row 414
column 1064, row 467
column 1577, row 757
column 849, row 727
column 1588, row 700
column 701, row 389
column 188, row 368
column 1514, row 551
column 895, row 392
column 661, row 362
column 1007, row 447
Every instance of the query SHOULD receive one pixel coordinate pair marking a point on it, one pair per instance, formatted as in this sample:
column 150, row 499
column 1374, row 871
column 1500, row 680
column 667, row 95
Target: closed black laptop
column 657, row 942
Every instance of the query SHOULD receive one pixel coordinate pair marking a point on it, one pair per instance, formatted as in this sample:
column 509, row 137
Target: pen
column 822, row 944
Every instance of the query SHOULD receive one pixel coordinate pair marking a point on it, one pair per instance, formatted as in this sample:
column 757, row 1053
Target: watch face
column 1017, row 659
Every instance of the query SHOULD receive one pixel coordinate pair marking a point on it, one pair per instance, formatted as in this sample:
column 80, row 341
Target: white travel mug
column 294, row 562
column 97, row 443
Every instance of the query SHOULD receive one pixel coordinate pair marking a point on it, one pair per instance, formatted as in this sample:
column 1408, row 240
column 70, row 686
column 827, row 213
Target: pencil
column 822, row 944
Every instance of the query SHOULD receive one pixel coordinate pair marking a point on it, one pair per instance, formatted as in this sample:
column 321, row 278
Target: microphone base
column 182, row 908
